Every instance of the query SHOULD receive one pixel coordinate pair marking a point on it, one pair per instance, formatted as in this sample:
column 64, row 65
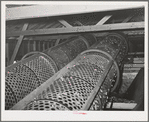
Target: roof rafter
column 66, row 24
column 97, row 28
column 104, row 19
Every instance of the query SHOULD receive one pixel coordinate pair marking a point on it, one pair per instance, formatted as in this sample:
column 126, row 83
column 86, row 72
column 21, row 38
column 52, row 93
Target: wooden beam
column 66, row 24
column 135, row 61
column 103, row 20
column 47, row 45
column 7, row 53
column 43, row 45
column 121, row 105
column 79, row 23
column 131, row 69
column 97, row 28
column 57, row 42
column 28, row 46
column 128, row 18
column 34, row 46
column 58, row 10
column 65, row 36
column 133, row 65
column 49, row 38
column 136, row 53
column 39, row 49
column 18, row 44
column 46, row 38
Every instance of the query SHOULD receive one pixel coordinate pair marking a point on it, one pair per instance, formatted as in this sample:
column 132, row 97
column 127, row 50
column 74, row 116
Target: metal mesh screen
column 84, row 84
column 26, row 75
column 9, row 97
column 63, row 54
column 73, row 89
column 22, row 80
column 42, row 67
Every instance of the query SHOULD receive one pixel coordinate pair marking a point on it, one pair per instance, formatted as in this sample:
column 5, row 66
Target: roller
column 29, row 73
column 84, row 83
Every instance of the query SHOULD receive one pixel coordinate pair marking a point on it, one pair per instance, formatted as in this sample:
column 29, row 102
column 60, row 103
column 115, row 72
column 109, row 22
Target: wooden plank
column 48, row 38
column 134, row 32
column 50, row 24
column 57, row 42
column 139, row 59
column 135, row 61
column 97, row 28
column 66, row 24
column 46, row 45
column 39, row 46
column 135, row 53
column 129, row 75
column 23, row 48
column 131, row 69
column 7, row 53
column 43, row 46
column 79, row 23
column 34, row 46
column 58, row 10
column 121, row 105
column 28, row 46
column 104, row 19
column 133, row 65
column 18, row 44
column 128, row 18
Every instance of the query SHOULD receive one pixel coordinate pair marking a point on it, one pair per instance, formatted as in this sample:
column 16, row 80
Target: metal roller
column 63, row 54
column 29, row 73
column 83, row 84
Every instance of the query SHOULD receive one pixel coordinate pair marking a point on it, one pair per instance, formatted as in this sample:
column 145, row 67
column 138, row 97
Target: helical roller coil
column 27, row 74
column 83, row 84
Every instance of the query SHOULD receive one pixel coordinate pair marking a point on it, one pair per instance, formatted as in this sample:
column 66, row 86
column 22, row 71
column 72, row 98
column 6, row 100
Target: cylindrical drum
column 83, row 84
column 27, row 74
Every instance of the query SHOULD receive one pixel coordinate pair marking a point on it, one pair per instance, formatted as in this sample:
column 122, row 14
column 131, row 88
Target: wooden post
column 38, row 45
column 57, row 42
column 28, row 46
column 18, row 44
column 7, row 53
column 34, row 46
column 43, row 45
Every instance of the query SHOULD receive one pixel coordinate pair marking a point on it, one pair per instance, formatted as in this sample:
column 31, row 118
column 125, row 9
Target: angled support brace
column 128, row 18
column 66, row 24
column 104, row 19
column 18, row 45
column 57, row 42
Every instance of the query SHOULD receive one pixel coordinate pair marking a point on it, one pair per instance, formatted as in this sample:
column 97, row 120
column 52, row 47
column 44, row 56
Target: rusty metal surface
column 88, row 79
